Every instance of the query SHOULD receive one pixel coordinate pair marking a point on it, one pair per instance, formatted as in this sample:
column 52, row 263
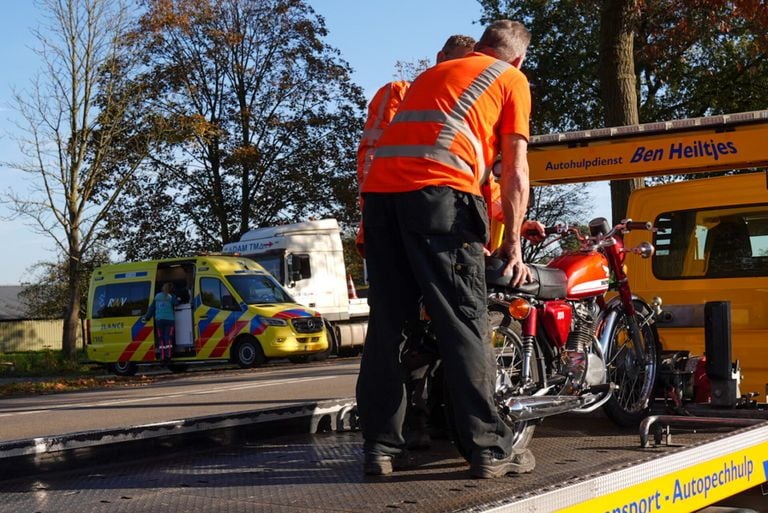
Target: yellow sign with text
column 635, row 156
column 688, row 489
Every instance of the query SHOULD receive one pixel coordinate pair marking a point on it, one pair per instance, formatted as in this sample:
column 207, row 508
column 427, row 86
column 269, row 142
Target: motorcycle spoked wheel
column 508, row 347
column 508, row 352
column 631, row 402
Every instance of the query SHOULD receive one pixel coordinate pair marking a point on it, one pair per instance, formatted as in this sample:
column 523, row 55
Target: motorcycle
column 562, row 346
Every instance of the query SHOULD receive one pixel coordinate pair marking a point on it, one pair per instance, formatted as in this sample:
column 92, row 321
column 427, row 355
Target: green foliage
column 42, row 363
column 267, row 124
column 352, row 260
column 562, row 60
column 692, row 58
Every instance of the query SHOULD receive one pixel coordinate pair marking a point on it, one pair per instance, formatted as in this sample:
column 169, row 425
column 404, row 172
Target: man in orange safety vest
column 425, row 225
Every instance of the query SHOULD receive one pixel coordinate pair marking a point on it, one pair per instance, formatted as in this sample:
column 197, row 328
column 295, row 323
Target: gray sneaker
column 487, row 464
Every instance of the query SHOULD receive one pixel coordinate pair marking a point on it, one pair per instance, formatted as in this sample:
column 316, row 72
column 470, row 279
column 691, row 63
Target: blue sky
column 372, row 35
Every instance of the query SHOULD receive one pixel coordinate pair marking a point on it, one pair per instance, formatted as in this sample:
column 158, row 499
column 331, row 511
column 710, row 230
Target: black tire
column 178, row 367
column 508, row 350
column 635, row 377
column 247, row 353
column 349, row 352
column 507, row 343
column 123, row 368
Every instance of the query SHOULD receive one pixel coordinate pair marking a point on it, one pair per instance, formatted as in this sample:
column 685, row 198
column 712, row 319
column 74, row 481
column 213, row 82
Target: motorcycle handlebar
column 638, row 225
column 548, row 230
column 626, row 225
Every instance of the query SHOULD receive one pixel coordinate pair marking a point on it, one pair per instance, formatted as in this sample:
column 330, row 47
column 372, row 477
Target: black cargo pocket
column 468, row 276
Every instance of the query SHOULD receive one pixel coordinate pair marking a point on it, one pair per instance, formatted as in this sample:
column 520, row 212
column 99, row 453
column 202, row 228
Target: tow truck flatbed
column 584, row 464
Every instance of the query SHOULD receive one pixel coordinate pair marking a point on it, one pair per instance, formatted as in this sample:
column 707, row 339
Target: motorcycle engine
column 579, row 362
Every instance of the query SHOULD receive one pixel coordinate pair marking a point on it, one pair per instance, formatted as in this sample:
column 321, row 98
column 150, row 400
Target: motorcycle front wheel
column 632, row 368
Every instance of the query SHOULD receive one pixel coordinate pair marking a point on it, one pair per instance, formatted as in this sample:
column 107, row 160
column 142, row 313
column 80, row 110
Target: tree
column 409, row 70
column 47, row 295
column 689, row 58
column 69, row 146
column 267, row 117
column 618, row 86
column 556, row 204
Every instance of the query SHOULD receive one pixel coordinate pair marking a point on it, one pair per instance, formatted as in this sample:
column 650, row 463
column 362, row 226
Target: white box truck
column 308, row 259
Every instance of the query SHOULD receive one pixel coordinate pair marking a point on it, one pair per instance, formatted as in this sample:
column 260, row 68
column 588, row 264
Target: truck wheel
column 248, row 353
column 123, row 368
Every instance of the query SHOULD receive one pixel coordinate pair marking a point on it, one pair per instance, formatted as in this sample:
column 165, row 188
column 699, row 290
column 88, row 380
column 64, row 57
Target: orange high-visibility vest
column 447, row 129
column 381, row 110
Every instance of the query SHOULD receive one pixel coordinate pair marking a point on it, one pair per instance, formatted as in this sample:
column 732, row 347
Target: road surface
column 175, row 397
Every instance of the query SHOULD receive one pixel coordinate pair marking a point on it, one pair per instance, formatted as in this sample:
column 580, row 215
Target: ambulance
column 229, row 309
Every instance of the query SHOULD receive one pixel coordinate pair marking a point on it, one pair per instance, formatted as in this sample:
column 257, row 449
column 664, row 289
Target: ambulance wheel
column 123, row 368
column 248, row 353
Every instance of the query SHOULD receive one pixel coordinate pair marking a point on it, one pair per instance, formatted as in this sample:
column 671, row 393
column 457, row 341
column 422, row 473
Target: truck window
column 298, row 267
column 258, row 289
column 215, row 294
column 120, row 300
column 712, row 243
column 272, row 263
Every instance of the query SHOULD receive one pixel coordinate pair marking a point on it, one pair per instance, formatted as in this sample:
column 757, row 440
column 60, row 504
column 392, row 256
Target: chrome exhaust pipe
column 532, row 408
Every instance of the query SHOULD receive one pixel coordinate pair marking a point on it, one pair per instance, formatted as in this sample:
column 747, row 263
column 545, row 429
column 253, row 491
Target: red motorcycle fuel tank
column 556, row 319
column 587, row 274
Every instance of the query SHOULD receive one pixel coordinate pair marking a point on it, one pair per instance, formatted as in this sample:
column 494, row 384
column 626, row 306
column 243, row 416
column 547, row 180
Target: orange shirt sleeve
column 516, row 110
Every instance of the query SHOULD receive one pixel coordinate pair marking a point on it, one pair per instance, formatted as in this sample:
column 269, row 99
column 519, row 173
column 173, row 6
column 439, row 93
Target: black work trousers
column 428, row 243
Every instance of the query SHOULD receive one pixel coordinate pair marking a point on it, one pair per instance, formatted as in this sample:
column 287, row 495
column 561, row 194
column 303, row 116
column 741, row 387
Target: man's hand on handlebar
column 533, row 231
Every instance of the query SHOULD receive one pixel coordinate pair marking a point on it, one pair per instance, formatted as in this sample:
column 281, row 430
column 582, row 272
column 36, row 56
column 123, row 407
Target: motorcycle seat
column 547, row 282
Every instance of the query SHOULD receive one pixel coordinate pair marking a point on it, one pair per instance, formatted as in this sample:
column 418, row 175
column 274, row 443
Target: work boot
column 376, row 464
column 488, row 464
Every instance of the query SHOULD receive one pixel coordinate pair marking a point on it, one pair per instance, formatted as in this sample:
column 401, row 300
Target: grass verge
column 47, row 372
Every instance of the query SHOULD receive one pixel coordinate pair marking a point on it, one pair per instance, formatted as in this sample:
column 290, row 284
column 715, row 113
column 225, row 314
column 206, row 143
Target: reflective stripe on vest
column 371, row 135
column 454, row 123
